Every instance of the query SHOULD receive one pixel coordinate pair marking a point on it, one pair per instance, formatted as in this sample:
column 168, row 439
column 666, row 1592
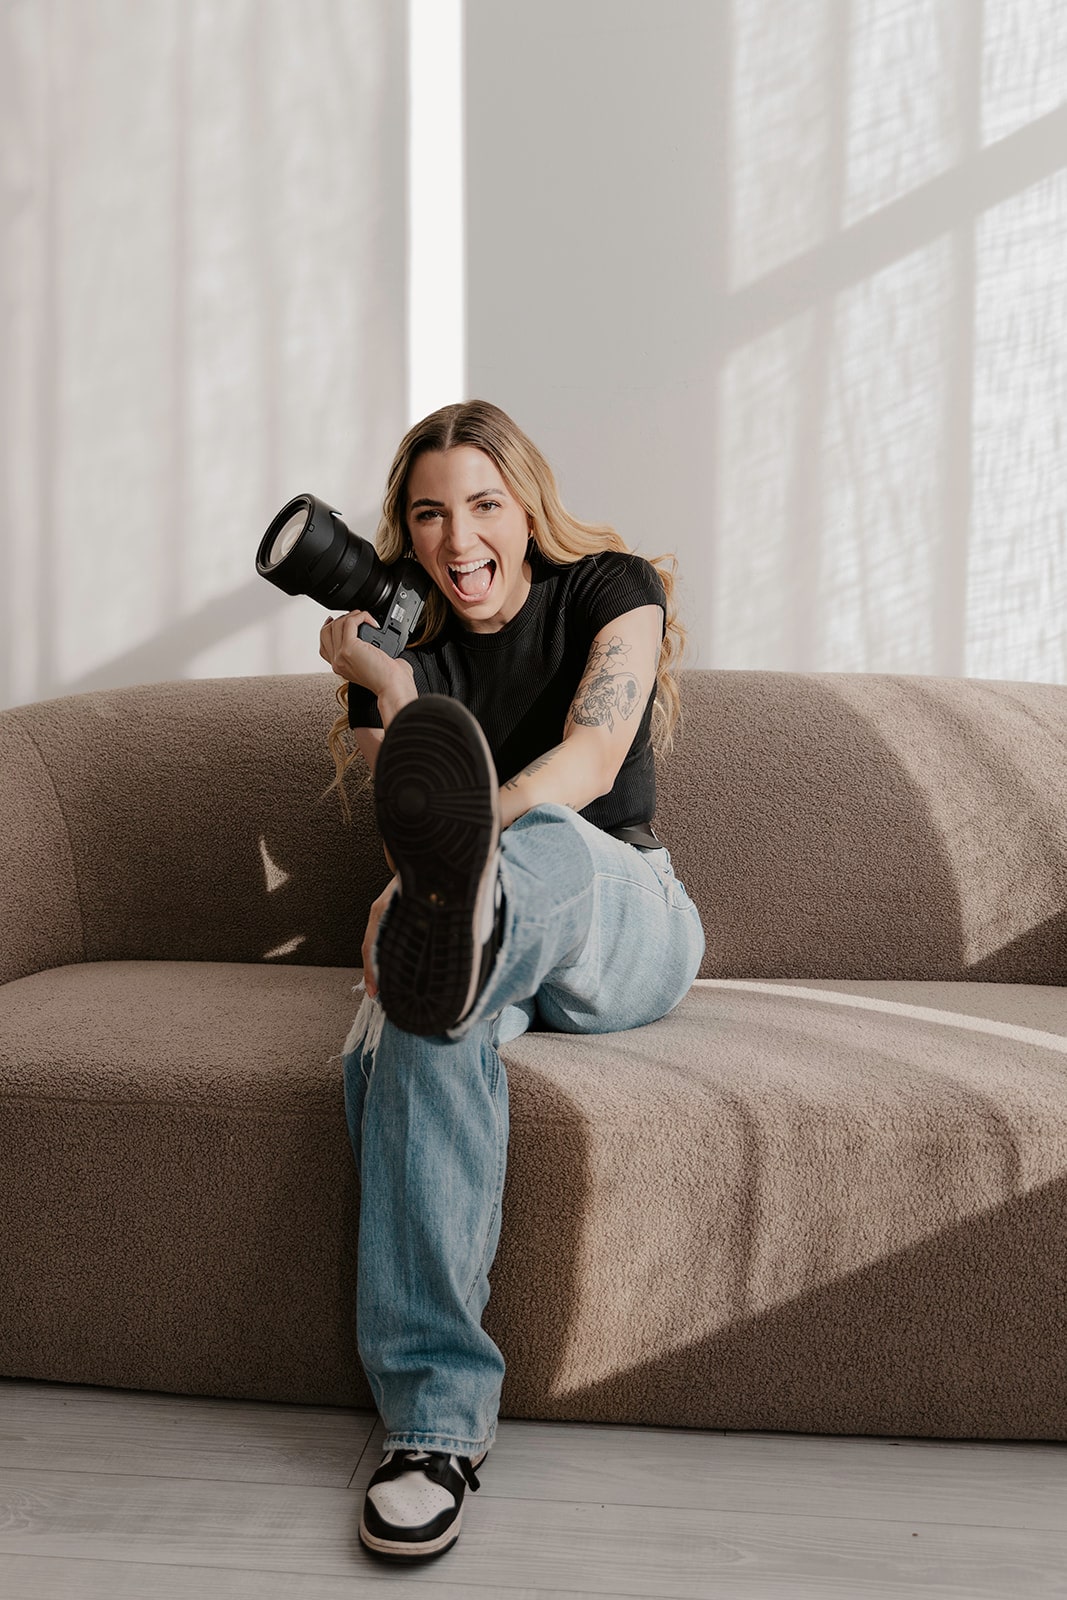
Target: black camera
column 308, row 550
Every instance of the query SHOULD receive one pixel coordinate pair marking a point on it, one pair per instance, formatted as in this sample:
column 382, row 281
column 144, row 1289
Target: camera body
column 405, row 603
column 307, row 549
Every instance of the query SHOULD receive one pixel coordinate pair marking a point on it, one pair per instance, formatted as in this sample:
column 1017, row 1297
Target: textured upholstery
column 827, row 1193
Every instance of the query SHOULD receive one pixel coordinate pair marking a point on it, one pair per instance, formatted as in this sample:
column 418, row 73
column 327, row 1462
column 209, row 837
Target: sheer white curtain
column 786, row 292
column 894, row 483
column 202, row 307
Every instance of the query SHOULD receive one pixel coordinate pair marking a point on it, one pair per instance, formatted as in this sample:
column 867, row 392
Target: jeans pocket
column 673, row 887
column 680, row 895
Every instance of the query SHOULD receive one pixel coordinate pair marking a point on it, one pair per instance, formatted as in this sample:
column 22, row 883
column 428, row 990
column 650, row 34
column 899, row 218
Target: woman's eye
column 422, row 516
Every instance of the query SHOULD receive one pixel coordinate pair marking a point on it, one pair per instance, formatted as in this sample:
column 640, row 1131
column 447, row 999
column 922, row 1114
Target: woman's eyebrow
column 479, row 496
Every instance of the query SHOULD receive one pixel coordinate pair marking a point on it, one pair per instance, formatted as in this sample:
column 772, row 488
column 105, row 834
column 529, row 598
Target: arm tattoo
column 535, row 766
column 606, row 687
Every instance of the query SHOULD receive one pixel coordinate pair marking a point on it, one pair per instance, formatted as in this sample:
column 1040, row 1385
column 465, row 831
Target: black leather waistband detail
column 641, row 835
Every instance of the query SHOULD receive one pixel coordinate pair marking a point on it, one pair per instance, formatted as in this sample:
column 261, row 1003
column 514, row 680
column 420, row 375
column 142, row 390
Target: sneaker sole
column 437, row 807
column 407, row 1550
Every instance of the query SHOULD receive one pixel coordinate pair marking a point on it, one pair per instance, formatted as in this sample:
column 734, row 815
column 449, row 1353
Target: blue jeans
column 598, row 937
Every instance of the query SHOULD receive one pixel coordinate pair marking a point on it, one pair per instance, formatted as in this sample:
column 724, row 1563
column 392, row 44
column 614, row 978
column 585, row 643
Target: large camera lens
column 308, row 550
column 287, row 536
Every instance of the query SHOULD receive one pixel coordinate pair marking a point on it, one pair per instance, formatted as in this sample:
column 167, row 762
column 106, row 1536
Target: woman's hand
column 353, row 659
column 370, row 982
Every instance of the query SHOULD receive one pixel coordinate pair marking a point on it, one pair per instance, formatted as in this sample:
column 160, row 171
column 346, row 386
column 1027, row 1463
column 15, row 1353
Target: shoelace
column 436, row 1463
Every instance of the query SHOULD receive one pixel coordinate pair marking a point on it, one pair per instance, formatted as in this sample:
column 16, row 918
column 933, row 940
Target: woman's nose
column 461, row 535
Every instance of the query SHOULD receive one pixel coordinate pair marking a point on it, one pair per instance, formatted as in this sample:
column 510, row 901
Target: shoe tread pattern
column 434, row 787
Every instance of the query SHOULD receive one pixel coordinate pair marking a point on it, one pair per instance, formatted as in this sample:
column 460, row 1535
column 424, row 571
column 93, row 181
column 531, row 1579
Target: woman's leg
column 429, row 1127
column 428, row 1117
column 641, row 940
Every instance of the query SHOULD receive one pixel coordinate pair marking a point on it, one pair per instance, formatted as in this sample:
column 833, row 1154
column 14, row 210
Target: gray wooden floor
column 109, row 1494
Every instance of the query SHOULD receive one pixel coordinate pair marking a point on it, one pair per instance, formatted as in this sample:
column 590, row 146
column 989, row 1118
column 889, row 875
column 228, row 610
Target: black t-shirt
column 519, row 682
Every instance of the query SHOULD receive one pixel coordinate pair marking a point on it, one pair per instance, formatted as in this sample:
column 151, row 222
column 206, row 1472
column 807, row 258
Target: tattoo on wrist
column 534, row 766
column 607, row 687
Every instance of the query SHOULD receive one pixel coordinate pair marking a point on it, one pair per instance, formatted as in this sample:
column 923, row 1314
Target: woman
column 512, row 754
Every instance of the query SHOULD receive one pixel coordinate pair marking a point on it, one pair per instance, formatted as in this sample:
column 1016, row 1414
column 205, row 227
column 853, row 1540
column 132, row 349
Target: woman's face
column 460, row 515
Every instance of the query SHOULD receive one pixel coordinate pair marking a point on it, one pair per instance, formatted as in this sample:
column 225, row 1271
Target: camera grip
column 375, row 636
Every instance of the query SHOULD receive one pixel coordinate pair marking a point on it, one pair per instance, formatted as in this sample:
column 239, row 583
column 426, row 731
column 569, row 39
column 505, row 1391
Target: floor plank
column 557, row 1544
column 123, row 1493
column 1011, row 1484
column 43, row 1578
column 126, row 1430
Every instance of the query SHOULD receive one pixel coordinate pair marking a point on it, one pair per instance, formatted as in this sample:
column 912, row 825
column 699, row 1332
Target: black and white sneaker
column 414, row 1502
column 437, row 803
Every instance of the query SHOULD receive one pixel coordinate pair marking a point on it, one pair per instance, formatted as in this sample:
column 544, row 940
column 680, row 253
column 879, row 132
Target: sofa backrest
column 184, row 821
column 827, row 825
column 872, row 825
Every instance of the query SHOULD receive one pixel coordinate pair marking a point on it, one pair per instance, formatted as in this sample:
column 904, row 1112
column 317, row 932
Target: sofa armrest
column 40, row 914
column 185, row 820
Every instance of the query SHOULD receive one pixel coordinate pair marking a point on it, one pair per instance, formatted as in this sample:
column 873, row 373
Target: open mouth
column 472, row 585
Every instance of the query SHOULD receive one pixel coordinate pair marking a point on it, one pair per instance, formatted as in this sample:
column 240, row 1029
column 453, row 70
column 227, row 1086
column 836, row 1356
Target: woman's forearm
column 570, row 774
column 400, row 692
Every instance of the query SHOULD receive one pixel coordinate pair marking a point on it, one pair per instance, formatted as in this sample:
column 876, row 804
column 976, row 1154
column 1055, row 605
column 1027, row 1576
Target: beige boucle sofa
column 827, row 1193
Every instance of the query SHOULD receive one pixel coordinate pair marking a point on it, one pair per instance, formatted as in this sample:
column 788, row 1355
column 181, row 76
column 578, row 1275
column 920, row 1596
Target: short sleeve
column 615, row 582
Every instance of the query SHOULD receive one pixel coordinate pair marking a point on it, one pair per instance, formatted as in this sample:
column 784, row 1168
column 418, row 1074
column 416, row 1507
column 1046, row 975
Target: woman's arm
column 369, row 740
column 391, row 680
column 605, row 714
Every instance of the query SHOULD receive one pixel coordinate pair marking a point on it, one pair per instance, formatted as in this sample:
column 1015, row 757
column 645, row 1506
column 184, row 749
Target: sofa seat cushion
column 819, row 1206
column 176, row 1180
column 228, row 1036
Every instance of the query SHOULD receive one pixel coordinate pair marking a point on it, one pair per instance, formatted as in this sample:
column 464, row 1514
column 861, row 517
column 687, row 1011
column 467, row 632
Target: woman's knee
column 547, row 811
column 549, row 840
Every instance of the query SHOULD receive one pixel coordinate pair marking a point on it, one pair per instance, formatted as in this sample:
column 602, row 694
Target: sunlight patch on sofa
column 274, row 875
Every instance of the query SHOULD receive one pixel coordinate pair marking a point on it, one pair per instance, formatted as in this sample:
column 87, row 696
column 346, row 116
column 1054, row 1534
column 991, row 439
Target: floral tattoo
column 607, row 687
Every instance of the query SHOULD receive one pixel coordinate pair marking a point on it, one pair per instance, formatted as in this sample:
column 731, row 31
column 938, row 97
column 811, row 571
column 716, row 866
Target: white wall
column 781, row 285
column 202, row 313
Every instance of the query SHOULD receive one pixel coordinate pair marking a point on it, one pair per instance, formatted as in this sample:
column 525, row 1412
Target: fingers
column 332, row 644
column 350, row 616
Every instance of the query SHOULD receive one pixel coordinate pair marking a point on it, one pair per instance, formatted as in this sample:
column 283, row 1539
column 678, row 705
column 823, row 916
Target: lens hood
column 309, row 550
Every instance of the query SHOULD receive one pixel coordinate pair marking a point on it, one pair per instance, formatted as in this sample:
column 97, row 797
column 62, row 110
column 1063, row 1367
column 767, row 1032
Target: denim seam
column 538, row 922
column 661, row 892
column 452, row 1442
column 509, row 895
column 500, row 1159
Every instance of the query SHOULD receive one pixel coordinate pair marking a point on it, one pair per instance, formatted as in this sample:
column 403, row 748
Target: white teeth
column 472, row 566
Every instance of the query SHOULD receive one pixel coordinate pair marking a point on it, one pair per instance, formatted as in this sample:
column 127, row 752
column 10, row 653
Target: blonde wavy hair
column 560, row 537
